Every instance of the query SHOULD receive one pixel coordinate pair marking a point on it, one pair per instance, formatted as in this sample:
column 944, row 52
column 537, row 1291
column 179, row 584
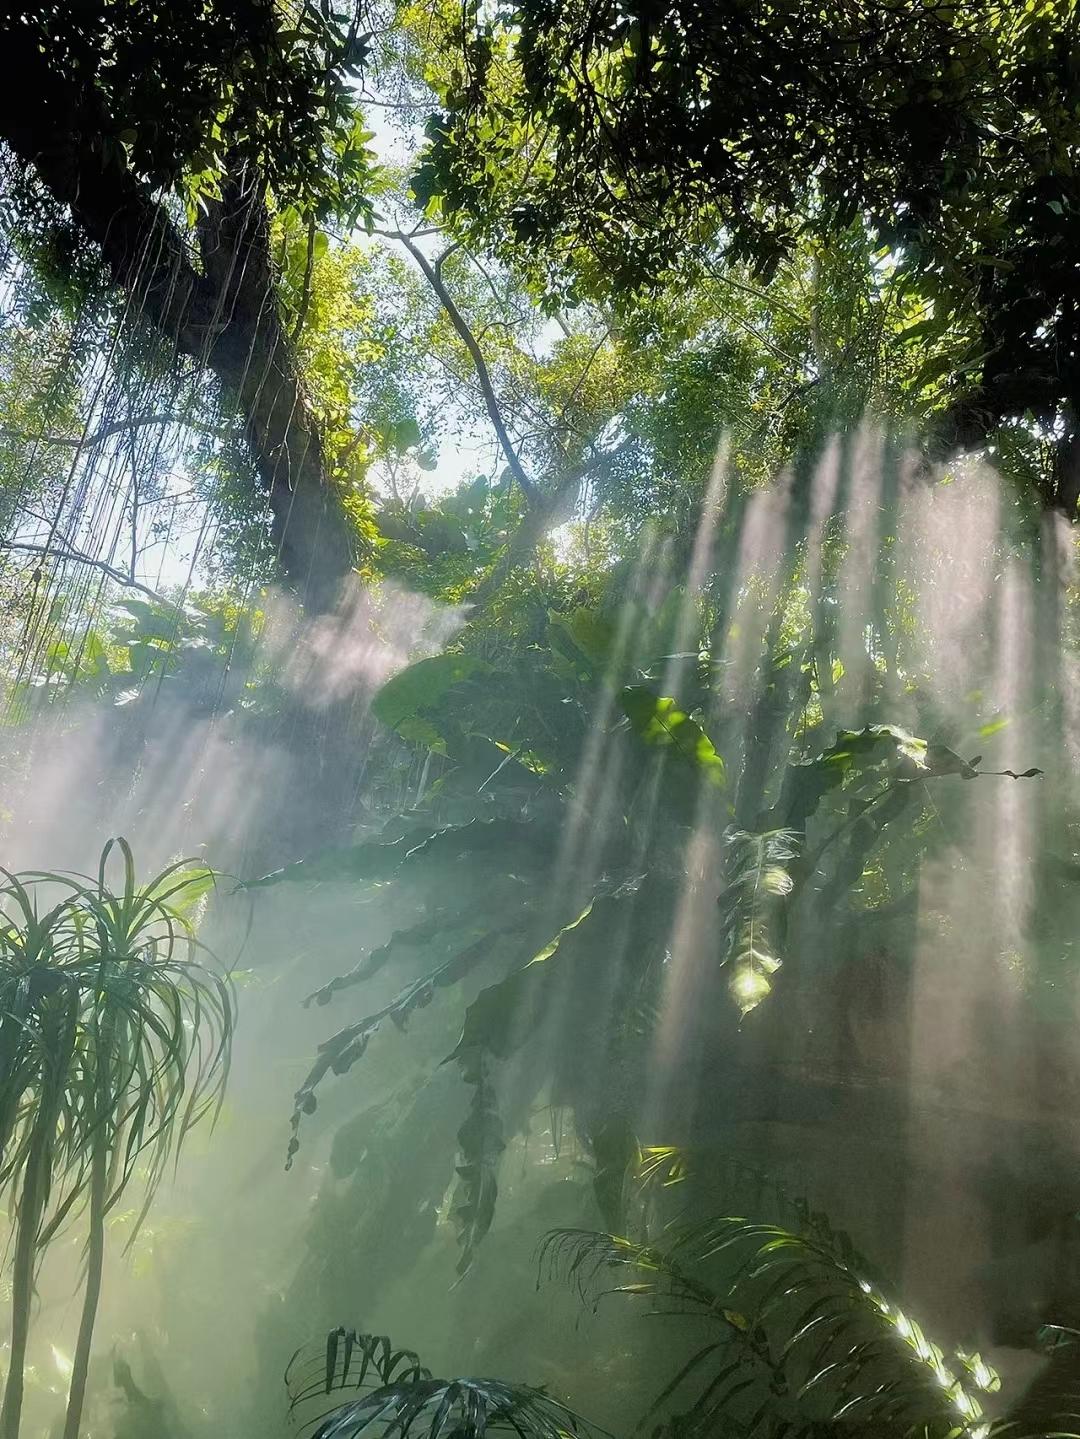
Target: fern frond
column 758, row 884
column 342, row 1050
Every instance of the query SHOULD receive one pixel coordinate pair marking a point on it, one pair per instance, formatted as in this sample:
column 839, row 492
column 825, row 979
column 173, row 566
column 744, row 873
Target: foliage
column 568, row 925
column 759, row 879
column 608, row 145
column 797, row 1341
column 397, row 1394
column 239, row 82
column 114, row 1043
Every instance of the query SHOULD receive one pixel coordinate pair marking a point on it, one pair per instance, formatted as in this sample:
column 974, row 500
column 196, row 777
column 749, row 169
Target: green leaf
column 758, row 884
column 882, row 749
column 590, row 635
column 404, row 702
column 657, row 720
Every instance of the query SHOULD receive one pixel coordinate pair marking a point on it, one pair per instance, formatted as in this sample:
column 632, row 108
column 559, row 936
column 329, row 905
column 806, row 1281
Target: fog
column 947, row 1148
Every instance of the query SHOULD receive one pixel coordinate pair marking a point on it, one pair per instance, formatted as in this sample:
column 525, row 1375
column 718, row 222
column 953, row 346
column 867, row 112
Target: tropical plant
column 396, row 1394
column 797, row 1340
column 792, row 1335
column 114, row 1044
column 547, row 855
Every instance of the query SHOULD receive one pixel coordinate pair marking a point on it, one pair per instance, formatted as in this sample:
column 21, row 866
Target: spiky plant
column 396, row 1394
column 114, row 1042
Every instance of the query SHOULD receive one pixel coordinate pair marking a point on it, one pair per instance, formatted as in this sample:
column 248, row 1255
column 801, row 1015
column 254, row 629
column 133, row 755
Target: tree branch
column 529, row 489
column 116, row 427
column 77, row 557
column 225, row 316
column 538, row 521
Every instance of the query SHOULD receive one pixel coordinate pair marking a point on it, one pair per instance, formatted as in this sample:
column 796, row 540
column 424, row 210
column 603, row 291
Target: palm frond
column 439, row 1408
column 348, row 1360
column 397, row 1395
column 799, row 1342
column 1050, row 1407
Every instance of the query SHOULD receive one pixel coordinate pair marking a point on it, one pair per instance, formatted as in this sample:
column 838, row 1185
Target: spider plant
column 396, row 1395
column 115, row 1034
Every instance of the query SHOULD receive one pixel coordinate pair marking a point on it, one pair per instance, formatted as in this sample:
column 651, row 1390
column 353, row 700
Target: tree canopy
column 571, row 507
column 653, row 140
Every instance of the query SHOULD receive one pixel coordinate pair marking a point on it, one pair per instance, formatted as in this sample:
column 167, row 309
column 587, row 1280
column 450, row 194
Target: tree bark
column 223, row 316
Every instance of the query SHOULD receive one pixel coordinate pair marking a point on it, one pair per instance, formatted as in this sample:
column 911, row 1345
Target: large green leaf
column 875, row 754
column 658, row 720
column 404, row 703
column 758, row 885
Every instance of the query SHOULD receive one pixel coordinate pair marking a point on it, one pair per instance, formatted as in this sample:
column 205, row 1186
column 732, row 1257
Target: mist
column 932, row 1117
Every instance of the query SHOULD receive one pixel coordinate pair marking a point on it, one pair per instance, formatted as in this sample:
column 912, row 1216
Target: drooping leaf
column 481, row 1144
column 342, row 1050
column 499, row 1020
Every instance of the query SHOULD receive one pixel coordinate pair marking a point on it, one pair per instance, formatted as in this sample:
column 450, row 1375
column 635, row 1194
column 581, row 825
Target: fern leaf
column 758, row 884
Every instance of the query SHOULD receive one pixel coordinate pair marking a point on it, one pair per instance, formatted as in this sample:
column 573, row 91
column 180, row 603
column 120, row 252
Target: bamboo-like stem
column 28, row 1225
column 92, row 1292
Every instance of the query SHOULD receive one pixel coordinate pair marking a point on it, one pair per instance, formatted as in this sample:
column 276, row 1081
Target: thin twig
column 116, row 427
column 77, row 557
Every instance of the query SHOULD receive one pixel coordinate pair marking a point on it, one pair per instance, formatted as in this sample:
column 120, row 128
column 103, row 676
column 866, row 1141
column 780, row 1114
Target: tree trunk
column 27, row 1226
column 92, row 1292
column 224, row 317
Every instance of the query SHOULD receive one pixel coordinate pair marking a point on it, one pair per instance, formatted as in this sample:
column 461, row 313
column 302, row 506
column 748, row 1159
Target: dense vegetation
column 571, row 508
